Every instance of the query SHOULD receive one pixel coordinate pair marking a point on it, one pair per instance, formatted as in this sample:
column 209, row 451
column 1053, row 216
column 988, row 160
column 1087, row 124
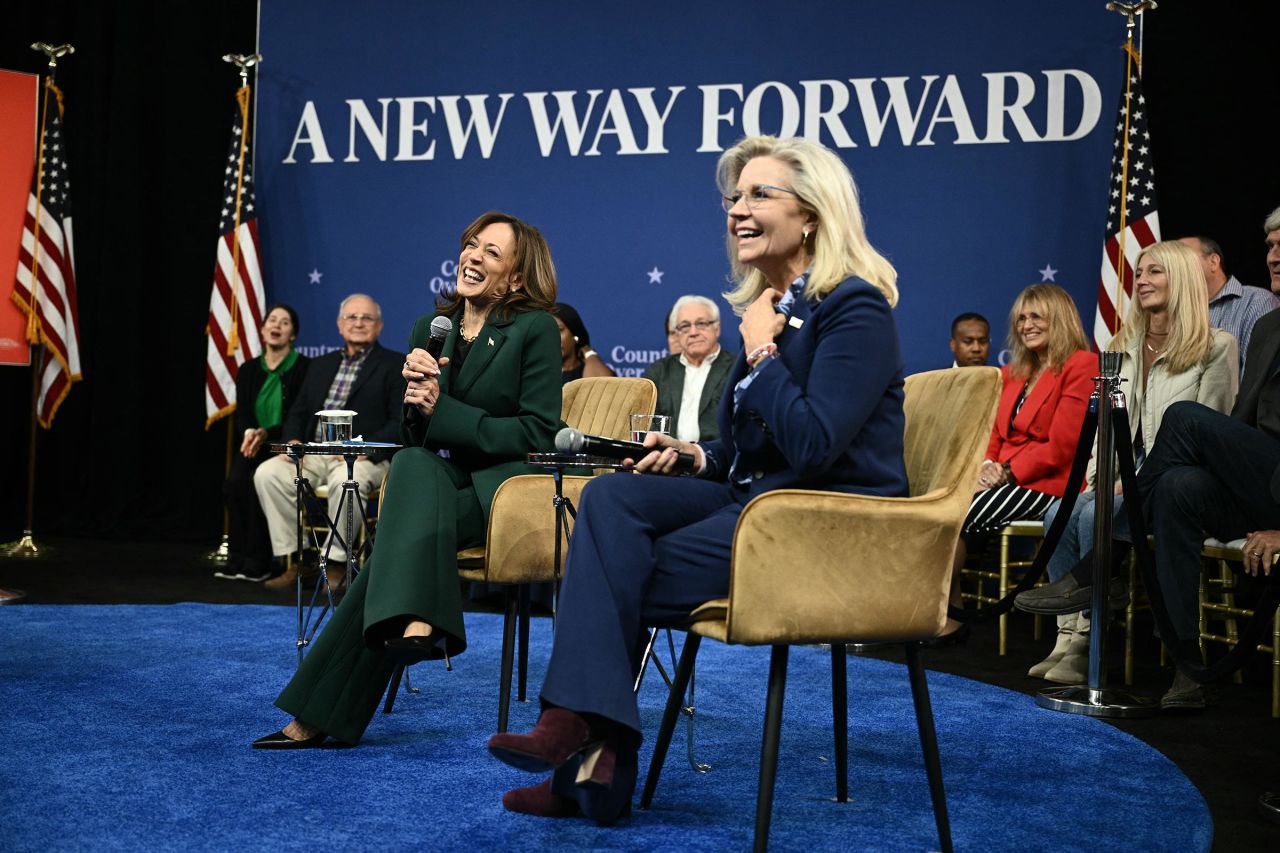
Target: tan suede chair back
column 811, row 567
column 603, row 405
column 520, row 545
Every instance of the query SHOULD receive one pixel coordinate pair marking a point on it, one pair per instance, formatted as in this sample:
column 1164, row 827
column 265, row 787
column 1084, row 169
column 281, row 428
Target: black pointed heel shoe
column 958, row 637
column 280, row 740
column 407, row 651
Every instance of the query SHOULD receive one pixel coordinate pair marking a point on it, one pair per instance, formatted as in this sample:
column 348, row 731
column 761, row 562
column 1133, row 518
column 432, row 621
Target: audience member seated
column 1047, row 384
column 690, row 382
column 577, row 359
column 970, row 340
column 1208, row 474
column 1170, row 354
column 265, row 389
column 491, row 399
column 362, row 376
column 1233, row 307
column 816, row 403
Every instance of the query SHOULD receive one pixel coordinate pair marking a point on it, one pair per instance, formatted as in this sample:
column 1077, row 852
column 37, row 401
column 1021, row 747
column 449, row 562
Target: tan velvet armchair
column 519, row 546
column 859, row 569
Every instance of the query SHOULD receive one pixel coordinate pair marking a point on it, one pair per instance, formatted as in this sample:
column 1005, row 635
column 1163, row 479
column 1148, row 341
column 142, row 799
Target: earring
column 805, row 235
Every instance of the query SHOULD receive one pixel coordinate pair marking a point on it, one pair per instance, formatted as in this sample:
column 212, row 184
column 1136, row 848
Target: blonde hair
column 1066, row 333
column 824, row 186
column 1190, row 339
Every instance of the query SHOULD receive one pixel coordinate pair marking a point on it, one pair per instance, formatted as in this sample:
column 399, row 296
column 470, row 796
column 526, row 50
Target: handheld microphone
column 440, row 328
column 569, row 440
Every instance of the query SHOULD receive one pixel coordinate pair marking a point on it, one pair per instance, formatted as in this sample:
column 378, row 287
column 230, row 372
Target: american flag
column 1132, row 220
column 46, row 279
column 236, row 303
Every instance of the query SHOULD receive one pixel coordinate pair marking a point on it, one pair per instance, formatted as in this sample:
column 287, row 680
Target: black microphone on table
column 570, row 440
column 440, row 329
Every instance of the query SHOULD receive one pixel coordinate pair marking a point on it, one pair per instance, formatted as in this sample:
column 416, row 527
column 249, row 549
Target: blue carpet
column 128, row 727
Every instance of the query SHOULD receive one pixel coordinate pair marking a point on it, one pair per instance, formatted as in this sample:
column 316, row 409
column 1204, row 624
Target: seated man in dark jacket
column 362, row 376
column 690, row 383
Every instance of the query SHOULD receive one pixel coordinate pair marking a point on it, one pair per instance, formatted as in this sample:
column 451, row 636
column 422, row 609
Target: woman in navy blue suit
column 814, row 402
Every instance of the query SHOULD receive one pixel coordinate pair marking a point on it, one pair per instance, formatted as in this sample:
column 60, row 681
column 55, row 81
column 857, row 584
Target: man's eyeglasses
column 753, row 196
column 359, row 318
column 702, row 325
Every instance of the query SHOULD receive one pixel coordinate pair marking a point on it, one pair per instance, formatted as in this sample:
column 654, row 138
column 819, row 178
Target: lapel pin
column 795, row 322
column 490, row 341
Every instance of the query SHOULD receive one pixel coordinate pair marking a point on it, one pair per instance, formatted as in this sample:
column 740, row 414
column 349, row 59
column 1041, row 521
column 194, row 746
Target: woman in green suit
column 492, row 398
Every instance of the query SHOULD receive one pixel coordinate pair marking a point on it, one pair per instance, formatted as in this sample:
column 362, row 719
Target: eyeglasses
column 686, row 327
column 753, row 196
column 359, row 318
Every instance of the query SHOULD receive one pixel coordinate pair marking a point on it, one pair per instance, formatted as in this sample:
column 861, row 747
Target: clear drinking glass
column 642, row 425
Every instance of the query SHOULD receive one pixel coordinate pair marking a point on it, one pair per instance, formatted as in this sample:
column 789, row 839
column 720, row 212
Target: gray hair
column 342, row 307
column 1273, row 221
column 695, row 299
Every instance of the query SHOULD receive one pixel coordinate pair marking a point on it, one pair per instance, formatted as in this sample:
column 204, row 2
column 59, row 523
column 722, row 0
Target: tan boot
column 1066, row 630
column 1074, row 666
column 283, row 581
column 337, row 574
column 286, row 580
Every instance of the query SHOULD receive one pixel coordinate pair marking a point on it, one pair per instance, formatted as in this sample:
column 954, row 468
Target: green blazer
column 504, row 405
column 668, row 374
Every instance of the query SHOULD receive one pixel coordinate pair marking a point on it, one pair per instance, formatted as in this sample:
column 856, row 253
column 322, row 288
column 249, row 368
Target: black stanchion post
column 1095, row 699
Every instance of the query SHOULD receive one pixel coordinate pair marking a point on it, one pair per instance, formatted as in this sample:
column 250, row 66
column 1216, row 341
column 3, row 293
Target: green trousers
column 429, row 511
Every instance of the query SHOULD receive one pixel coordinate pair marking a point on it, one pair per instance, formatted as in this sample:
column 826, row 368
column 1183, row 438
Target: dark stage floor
column 1231, row 752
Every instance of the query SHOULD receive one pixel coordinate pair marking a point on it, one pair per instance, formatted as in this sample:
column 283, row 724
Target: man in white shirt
column 691, row 382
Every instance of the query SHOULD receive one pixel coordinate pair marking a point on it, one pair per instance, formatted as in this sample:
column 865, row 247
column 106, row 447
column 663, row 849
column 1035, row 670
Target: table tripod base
column 1108, row 702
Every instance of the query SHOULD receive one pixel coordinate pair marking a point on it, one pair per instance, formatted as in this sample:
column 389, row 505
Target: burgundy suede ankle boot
column 559, row 735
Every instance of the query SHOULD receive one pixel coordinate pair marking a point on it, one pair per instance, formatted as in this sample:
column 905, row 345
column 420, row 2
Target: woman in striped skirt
column 1047, row 384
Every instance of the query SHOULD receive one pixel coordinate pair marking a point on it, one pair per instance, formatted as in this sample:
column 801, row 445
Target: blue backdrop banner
column 979, row 133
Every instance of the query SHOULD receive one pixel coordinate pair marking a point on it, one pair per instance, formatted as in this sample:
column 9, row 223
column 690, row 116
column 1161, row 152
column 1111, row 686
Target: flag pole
column 243, row 63
column 1130, row 11
column 27, row 546
column 223, row 551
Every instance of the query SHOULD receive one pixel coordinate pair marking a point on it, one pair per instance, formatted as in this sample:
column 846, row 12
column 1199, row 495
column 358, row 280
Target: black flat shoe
column 407, row 651
column 280, row 740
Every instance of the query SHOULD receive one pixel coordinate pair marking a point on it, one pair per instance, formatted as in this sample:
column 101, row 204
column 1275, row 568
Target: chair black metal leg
column 675, row 701
column 524, row 642
column 929, row 743
column 840, row 719
column 769, row 745
column 393, row 689
column 508, row 654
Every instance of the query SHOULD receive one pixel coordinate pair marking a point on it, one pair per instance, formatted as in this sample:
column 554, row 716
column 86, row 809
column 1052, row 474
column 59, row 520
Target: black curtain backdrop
column 149, row 107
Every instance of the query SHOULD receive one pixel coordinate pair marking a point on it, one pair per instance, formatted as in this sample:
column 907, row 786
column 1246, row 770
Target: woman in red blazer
column 1047, row 384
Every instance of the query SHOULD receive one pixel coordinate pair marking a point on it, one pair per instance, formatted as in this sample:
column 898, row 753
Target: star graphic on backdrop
column 1047, row 273
column 655, row 275
column 315, row 276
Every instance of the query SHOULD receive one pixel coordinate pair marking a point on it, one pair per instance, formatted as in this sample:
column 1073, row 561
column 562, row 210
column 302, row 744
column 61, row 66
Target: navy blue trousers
column 1206, row 474
column 646, row 550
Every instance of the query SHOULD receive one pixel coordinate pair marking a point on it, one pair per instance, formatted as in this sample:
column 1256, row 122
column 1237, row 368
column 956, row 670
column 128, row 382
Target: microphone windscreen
column 440, row 327
column 569, row 440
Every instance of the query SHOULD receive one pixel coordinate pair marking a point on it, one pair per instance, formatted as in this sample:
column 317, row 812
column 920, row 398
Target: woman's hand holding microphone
column 421, row 373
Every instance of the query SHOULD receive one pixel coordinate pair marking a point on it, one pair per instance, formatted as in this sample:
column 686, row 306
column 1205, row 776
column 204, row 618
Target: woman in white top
column 1170, row 354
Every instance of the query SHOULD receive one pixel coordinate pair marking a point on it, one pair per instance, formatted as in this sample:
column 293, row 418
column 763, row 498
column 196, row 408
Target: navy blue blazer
column 827, row 412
